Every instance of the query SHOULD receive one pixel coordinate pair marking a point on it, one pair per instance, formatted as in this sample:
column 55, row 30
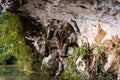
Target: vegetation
column 12, row 43
column 70, row 71
column 13, row 50
column 95, row 73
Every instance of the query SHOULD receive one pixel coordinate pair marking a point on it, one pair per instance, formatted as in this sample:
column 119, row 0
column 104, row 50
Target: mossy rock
column 12, row 42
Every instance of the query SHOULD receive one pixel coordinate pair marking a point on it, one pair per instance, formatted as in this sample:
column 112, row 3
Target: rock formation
column 53, row 27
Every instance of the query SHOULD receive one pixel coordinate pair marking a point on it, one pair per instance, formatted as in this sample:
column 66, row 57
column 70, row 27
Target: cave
column 53, row 28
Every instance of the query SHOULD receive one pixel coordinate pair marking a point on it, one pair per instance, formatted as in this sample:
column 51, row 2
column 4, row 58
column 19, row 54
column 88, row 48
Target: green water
column 11, row 72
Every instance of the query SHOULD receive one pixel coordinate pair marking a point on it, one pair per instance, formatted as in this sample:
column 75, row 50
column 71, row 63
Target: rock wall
column 87, row 14
column 87, row 17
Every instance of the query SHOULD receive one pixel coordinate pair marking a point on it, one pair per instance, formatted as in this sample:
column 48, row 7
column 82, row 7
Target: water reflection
column 11, row 72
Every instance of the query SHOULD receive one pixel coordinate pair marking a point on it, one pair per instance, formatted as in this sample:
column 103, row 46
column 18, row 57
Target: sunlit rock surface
column 87, row 15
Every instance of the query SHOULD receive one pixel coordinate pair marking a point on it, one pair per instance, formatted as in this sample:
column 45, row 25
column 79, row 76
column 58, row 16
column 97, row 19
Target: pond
column 11, row 72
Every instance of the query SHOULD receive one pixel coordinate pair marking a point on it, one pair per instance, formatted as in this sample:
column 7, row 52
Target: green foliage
column 102, row 48
column 82, row 51
column 70, row 72
column 12, row 42
column 7, row 59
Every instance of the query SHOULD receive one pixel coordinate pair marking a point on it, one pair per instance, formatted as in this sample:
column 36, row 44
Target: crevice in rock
column 52, row 27
column 50, row 43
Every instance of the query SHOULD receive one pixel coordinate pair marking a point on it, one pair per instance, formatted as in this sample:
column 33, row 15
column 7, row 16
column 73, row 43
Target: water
column 11, row 72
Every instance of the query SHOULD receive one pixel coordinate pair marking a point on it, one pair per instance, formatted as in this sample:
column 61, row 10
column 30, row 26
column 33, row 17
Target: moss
column 12, row 42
